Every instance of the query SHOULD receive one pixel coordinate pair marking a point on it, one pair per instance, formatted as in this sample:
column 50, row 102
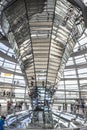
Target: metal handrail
column 52, row 129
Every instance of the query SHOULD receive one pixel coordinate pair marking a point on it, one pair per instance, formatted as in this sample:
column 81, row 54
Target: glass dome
column 73, row 83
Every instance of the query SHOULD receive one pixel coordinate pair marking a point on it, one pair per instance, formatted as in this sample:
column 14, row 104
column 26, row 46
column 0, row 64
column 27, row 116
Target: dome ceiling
column 43, row 38
column 76, row 64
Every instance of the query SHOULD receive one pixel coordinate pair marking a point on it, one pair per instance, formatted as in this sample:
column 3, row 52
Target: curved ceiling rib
column 29, row 28
column 11, row 72
column 7, row 57
column 15, row 85
column 73, row 79
column 5, row 42
column 79, row 52
column 84, row 65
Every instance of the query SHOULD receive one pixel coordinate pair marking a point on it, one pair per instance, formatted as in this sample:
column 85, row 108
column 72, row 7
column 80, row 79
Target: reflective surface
column 44, row 49
column 42, row 39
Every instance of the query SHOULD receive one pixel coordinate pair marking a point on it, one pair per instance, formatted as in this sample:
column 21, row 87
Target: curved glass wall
column 73, row 85
column 11, row 72
column 12, row 83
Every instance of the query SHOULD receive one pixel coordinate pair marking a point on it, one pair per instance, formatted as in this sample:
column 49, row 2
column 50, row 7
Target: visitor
column 72, row 106
column 0, row 108
column 83, row 106
column 2, row 122
column 9, row 104
column 4, row 93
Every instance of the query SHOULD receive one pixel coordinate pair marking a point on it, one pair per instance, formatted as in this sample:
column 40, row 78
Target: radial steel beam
column 7, row 57
column 79, row 52
column 79, row 66
column 11, row 72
